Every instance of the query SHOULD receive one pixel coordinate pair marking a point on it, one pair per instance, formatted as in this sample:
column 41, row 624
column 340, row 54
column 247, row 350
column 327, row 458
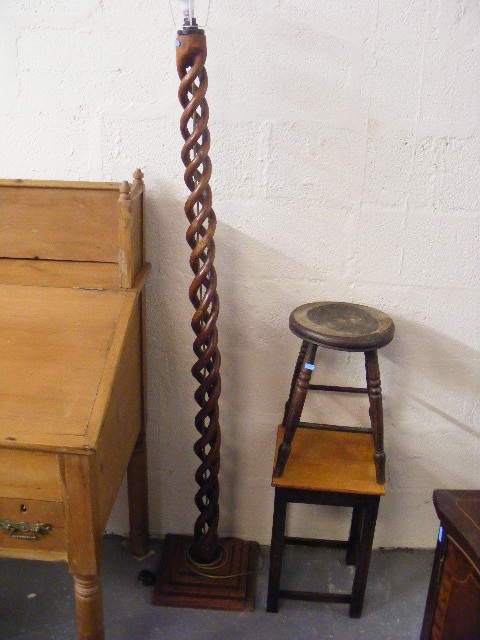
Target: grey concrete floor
column 36, row 600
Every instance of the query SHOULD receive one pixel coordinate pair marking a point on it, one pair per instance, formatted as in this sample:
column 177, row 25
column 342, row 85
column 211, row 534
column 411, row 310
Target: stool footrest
column 315, row 542
column 316, row 596
column 327, row 387
column 333, row 427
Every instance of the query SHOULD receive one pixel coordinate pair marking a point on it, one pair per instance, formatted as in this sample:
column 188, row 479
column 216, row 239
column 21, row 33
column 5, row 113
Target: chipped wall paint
column 345, row 150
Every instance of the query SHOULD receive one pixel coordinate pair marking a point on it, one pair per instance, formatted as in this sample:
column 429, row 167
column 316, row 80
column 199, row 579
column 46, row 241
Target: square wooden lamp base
column 230, row 586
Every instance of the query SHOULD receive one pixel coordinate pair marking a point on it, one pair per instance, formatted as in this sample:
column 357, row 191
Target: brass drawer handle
column 24, row 530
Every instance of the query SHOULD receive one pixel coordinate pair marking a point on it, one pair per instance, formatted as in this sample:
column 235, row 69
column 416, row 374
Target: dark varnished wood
column 375, row 411
column 295, row 402
column 178, row 584
column 296, row 372
column 342, row 325
column 228, row 586
column 452, row 608
column 354, row 535
column 137, row 485
column 364, row 512
column 191, row 53
column 334, row 469
column 345, row 327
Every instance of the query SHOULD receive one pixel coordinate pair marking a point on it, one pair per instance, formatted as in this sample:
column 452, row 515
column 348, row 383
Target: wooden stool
column 327, row 468
column 331, row 464
column 344, row 327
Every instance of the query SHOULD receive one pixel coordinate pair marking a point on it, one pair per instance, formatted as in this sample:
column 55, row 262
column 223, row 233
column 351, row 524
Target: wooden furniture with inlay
column 328, row 464
column 72, row 369
column 452, row 610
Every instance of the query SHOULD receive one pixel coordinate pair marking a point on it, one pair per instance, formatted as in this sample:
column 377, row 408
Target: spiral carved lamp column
column 203, row 571
column 191, row 55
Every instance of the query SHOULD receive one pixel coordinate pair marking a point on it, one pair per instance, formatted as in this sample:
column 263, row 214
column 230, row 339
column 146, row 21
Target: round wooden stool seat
column 342, row 325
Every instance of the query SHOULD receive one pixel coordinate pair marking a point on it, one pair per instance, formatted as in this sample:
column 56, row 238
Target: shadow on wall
column 434, row 407
column 432, row 428
column 258, row 287
column 452, row 365
column 426, row 377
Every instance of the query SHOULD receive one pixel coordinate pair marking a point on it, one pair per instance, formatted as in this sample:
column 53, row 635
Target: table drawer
column 18, row 517
column 32, row 475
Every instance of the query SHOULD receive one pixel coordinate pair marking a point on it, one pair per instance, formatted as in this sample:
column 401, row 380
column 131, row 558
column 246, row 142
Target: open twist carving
column 191, row 55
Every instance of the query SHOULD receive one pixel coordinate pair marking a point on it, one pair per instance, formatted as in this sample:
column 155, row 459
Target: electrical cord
column 197, row 567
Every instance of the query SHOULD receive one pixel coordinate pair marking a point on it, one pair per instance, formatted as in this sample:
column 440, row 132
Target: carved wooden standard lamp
column 202, row 571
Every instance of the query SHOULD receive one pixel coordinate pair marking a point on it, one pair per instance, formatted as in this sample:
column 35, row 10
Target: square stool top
column 332, row 461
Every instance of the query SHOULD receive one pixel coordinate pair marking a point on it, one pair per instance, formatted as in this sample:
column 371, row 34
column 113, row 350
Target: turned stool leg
column 138, row 498
column 376, row 411
column 296, row 373
column 295, row 410
column 370, row 511
column 276, row 551
column 88, row 606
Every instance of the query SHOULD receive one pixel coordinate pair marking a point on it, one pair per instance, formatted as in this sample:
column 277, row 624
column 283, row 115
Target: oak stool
column 331, row 464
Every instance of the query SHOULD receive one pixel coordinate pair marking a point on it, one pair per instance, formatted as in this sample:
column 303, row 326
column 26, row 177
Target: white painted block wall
column 346, row 166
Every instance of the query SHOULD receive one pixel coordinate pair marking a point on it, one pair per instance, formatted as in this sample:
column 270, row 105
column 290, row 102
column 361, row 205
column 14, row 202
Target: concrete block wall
column 345, row 150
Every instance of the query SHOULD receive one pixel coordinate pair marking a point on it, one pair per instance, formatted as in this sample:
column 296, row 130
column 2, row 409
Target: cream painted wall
column 346, row 165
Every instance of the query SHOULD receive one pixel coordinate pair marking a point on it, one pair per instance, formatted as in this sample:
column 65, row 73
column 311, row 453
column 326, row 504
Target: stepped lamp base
column 227, row 586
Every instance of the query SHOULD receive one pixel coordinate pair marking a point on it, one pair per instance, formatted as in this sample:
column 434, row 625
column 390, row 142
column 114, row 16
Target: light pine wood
column 59, row 273
column 29, row 475
column 53, row 349
column 88, row 606
column 83, row 542
column 330, row 461
column 80, row 499
column 49, row 221
column 130, row 231
column 49, row 547
column 54, row 223
column 111, row 367
column 72, row 352
column 61, row 184
column 123, row 415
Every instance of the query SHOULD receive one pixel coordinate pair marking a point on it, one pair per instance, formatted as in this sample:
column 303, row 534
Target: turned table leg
column 88, row 607
column 79, row 477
